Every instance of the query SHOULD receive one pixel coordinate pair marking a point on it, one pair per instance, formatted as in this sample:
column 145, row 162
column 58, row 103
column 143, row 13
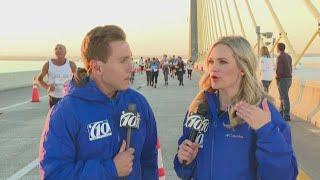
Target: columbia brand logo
column 98, row 130
column 235, row 136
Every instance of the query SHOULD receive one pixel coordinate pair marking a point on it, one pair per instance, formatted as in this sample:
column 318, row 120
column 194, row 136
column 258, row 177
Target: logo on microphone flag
column 130, row 119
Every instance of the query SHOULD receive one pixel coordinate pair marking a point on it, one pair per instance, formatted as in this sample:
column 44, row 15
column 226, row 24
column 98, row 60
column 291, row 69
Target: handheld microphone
column 196, row 122
column 130, row 119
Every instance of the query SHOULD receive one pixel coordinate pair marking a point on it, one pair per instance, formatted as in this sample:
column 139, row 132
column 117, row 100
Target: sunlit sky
column 153, row 27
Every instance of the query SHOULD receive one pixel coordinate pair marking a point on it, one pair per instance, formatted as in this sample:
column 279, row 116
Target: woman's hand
column 187, row 152
column 253, row 115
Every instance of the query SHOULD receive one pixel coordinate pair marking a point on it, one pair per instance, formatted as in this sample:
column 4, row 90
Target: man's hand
column 124, row 160
column 50, row 87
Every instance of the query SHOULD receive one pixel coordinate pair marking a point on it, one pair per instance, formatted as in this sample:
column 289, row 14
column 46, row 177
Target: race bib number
column 59, row 80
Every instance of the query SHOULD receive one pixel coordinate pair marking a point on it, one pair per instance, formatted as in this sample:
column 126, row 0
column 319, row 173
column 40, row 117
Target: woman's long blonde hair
column 250, row 90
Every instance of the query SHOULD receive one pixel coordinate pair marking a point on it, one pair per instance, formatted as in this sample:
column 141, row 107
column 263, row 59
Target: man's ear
column 95, row 66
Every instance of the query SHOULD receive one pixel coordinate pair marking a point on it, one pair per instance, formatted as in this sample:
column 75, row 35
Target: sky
column 33, row 27
column 153, row 27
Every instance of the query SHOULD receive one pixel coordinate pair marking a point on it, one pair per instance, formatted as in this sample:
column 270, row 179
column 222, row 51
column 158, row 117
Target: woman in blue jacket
column 246, row 137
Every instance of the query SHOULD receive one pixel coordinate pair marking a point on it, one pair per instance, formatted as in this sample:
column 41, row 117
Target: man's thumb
column 123, row 146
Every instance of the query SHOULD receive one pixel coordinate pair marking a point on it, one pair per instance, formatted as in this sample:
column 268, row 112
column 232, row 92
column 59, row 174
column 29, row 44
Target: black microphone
column 130, row 119
column 196, row 122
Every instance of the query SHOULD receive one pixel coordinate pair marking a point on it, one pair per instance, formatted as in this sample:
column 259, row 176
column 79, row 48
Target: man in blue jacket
column 82, row 138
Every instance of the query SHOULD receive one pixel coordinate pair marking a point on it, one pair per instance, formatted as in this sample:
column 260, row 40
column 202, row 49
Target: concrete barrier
column 16, row 79
column 295, row 92
column 315, row 120
column 304, row 99
column 309, row 101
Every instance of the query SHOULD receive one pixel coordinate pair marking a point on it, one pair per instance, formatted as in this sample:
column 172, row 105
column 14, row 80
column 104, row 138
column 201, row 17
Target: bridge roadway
column 21, row 123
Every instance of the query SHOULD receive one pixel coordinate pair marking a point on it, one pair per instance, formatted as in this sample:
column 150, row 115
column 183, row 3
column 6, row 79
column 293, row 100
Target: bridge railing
column 212, row 15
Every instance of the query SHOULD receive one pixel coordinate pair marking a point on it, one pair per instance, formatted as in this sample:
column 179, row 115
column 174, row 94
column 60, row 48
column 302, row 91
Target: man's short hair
column 96, row 44
column 60, row 45
column 281, row 46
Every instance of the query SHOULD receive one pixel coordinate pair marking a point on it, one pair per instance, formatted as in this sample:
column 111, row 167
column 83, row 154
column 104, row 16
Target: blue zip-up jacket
column 155, row 65
column 241, row 153
column 82, row 135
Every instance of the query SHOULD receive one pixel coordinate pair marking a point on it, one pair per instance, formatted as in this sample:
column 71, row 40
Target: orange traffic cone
column 161, row 171
column 35, row 92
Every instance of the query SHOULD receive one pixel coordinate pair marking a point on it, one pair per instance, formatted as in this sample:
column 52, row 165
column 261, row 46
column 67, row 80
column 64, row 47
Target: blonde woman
column 267, row 68
column 246, row 137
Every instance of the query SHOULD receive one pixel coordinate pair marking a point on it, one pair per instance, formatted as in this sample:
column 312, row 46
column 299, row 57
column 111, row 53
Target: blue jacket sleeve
column 149, row 157
column 58, row 152
column 275, row 155
column 184, row 171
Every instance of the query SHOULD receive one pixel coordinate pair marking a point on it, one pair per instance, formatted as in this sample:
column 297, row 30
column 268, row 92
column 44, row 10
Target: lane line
column 24, row 170
column 19, row 104
column 303, row 175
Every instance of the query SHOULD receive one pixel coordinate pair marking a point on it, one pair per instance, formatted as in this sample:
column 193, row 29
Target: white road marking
column 24, row 170
column 19, row 104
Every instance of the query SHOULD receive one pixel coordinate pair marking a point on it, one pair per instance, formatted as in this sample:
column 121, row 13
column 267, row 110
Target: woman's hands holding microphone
column 187, row 152
column 256, row 117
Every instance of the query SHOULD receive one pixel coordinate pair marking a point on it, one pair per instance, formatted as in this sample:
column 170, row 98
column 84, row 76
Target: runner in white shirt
column 59, row 70
column 189, row 68
column 141, row 64
column 148, row 71
column 165, row 68
column 135, row 66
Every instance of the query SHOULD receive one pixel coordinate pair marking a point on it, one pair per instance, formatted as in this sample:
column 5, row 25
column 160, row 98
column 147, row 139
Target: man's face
column 60, row 51
column 116, row 71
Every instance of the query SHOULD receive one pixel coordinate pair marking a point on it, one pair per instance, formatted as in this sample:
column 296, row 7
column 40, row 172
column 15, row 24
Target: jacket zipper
column 113, row 122
column 212, row 150
column 212, row 145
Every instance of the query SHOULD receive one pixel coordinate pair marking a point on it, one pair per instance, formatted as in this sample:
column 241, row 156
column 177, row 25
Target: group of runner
column 175, row 67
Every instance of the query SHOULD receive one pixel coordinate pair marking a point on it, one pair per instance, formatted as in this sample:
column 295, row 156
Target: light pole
column 258, row 39
column 273, row 54
column 267, row 35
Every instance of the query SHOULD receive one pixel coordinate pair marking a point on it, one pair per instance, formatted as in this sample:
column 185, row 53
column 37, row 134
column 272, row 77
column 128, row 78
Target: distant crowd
column 173, row 67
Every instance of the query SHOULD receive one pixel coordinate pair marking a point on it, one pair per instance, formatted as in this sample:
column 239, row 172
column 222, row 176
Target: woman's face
column 223, row 69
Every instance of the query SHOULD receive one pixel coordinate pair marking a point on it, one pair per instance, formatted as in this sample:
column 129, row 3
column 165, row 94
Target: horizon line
column 42, row 57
